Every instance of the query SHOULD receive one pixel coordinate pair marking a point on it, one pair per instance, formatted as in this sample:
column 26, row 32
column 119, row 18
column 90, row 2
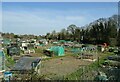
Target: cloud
column 33, row 18
column 39, row 22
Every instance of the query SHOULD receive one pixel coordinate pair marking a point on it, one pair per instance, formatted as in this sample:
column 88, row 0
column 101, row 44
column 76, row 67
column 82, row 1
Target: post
column 98, row 62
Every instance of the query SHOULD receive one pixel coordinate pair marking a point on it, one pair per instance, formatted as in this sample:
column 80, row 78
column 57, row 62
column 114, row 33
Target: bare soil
column 61, row 66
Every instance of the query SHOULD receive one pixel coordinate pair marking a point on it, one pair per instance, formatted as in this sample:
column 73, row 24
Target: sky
column 40, row 18
column 0, row 17
column 60, row 0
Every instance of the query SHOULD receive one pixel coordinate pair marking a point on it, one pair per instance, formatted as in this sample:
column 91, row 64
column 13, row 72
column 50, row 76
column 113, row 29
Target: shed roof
column 25, row 63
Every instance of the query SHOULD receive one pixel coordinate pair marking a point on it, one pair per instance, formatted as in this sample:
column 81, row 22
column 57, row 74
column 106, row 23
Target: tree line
column 103, row 30
column 98, row 33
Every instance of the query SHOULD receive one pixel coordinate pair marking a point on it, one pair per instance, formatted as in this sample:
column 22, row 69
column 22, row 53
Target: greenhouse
column 58, row 50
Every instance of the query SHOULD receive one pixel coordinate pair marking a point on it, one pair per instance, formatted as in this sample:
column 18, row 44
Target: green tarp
column 58, row 50
column 62, row 41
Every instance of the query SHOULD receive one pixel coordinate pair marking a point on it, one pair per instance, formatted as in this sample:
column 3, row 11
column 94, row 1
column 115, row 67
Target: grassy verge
column 9, row 61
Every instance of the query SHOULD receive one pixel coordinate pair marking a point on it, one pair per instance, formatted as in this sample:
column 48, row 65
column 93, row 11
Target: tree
column 63, row 34
column 77, row 34
column 48, row 36
column 118, row 38
column 82, row 35
column 71, row 29
column 54, row 35
column 16, row 36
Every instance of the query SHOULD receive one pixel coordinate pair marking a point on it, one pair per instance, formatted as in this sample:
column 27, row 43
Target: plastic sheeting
column 58, row 50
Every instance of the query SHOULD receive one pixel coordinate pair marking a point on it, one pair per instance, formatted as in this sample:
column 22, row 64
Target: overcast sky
column 39, row 18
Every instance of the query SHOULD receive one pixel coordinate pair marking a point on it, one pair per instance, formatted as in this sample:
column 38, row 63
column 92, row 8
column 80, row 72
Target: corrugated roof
column 25, row 63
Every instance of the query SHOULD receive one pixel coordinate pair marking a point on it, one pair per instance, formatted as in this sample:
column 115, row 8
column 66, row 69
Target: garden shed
column 2, row 63
column 13, row 50
column 7, row 76
column 27, row 64
column 2, row 60
column 6, row 41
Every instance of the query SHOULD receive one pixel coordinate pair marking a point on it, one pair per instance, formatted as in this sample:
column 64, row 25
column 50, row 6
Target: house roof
column 25, row 63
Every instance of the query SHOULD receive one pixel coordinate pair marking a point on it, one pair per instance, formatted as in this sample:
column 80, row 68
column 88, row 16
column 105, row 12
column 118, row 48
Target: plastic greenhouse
column 58, row 50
